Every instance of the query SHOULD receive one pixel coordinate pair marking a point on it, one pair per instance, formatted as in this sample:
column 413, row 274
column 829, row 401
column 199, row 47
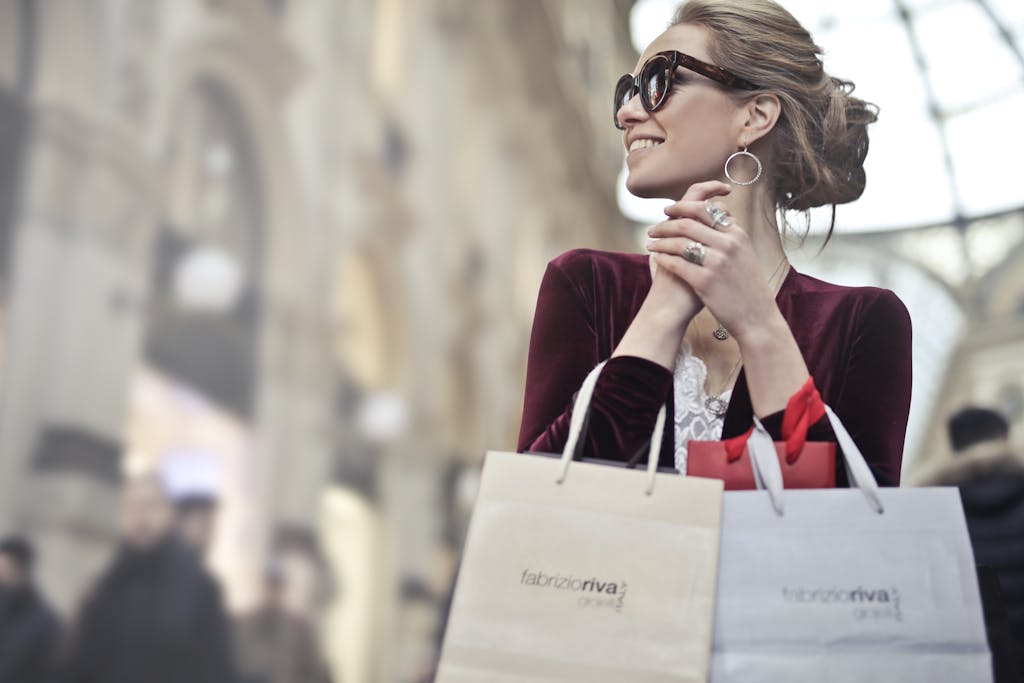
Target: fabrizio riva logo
column 866, row 603
column 590, row 592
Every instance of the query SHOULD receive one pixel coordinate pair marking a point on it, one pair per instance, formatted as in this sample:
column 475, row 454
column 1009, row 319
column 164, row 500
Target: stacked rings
column 719, row 216
column 694, row 253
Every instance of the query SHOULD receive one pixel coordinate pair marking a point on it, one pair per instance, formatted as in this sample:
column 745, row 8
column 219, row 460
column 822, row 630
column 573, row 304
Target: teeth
column 643, row 143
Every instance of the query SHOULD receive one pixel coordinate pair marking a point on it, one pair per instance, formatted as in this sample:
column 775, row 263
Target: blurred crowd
column 155, row 613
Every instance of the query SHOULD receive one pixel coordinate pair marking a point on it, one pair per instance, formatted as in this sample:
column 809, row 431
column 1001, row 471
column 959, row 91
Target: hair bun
column 844, row 147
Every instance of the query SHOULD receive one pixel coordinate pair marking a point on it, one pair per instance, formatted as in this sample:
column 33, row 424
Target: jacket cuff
column 639, row 377
column 819, row 431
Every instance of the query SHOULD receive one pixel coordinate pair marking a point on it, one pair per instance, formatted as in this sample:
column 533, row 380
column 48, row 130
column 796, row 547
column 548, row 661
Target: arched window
column 208, row 252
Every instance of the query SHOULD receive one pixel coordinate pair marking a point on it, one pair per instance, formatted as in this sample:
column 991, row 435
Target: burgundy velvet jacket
column 855, row 341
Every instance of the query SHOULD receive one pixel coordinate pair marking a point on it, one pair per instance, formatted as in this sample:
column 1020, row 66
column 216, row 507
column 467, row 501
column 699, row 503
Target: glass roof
column 948, row 76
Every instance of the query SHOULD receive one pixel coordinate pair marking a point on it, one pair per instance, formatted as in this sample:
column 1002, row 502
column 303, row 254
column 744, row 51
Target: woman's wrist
column 774, row 365
column 668, row 317
column 655, row 332
column 664, row 304
column 762, row 334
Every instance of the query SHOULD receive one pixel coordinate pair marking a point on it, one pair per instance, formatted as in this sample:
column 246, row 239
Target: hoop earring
column 747, row 154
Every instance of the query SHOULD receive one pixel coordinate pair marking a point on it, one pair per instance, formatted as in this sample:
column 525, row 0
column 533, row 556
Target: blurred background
column 286, row 252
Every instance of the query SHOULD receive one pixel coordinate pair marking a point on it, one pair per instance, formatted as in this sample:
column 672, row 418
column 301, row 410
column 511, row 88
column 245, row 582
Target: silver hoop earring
column 743, row 153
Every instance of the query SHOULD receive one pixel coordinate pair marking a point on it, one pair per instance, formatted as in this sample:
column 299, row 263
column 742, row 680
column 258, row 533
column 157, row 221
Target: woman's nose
column 632, row 112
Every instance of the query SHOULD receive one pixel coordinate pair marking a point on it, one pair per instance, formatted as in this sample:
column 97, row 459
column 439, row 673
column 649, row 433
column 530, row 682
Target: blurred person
column 195, row 520
column 155, row 615
column 275, row 644
column 990, row 477
column 29, row 628
column 730, row 114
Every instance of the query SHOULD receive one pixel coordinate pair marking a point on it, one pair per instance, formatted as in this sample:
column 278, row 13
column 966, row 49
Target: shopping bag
column 813, row 468
column 580, row 572
column 845, row 585
column 804, row 464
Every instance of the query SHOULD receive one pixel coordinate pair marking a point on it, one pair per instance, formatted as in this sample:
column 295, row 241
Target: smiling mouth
column 644, row 143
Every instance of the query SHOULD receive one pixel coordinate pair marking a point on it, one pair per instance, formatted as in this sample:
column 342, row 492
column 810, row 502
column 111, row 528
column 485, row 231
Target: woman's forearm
column 655, row 333
column 774, row 366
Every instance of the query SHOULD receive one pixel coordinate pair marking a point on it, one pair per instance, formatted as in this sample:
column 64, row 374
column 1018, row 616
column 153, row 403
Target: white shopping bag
column 581, row 572
column 845, row 585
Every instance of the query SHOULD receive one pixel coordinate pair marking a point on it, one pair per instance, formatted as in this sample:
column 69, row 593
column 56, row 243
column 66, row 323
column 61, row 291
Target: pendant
column 716, row 405
column 721, row 334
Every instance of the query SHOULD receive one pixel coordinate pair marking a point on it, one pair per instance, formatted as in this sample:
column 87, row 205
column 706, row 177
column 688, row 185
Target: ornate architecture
column 287, row 252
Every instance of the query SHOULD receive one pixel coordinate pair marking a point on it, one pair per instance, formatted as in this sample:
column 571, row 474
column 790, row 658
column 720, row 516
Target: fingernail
column 650, row 242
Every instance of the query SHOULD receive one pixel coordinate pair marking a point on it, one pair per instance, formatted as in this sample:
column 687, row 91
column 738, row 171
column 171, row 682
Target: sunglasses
column 654, row 82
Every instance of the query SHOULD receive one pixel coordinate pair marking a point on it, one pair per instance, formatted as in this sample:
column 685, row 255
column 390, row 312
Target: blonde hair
column 820, row 140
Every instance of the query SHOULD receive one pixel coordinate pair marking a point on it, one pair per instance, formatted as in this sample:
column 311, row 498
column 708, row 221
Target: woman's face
column 688, row 140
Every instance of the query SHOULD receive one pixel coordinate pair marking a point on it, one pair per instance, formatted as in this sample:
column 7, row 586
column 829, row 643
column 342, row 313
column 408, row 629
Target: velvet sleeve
column 874, row 396
column 564, row 348
column 875, row 400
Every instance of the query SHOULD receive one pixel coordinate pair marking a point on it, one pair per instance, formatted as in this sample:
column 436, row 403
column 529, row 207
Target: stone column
column 76, row 312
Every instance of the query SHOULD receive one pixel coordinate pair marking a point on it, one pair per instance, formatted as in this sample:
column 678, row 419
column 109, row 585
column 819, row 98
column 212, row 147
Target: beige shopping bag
column 581, row 572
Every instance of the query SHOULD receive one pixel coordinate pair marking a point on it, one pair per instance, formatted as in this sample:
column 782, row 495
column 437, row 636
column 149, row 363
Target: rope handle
column 578, row 420
column 807, row 405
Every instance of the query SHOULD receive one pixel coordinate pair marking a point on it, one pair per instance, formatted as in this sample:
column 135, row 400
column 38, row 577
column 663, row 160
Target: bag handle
column 577, row 422
column 803, row 409
column 768, row 472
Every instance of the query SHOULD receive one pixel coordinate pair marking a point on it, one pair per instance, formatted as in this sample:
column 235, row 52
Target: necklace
column 720, row 333
column 717, row 405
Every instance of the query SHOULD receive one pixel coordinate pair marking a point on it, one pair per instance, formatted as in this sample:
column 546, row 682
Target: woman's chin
column 646, row 190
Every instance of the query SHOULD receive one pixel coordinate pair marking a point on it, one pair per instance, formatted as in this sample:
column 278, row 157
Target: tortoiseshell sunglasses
column 654, row 82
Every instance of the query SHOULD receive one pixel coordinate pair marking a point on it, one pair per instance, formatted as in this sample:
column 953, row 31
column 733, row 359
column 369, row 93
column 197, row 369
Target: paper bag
column 845, row 585
column 580, row 572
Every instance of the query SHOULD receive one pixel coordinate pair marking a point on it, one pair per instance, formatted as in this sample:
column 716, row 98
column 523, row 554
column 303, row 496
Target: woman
column 731, row 111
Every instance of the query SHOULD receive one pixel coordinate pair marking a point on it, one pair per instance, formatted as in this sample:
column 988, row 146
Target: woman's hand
column 729, row 281
column 671, row 303
column 669, row 293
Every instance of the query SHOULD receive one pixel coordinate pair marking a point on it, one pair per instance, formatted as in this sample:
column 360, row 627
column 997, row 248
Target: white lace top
column 693, row 420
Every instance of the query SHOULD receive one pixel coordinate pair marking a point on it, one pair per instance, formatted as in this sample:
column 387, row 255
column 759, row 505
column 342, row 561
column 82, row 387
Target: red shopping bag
column 813, row 468
column 805, row 464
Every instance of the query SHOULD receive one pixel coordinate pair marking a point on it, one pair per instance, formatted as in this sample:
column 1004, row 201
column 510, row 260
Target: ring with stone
column 719, row 216
column 694, row 253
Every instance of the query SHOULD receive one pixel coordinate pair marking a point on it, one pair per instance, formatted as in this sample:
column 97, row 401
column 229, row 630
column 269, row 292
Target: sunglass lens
column 654, row 82
column 623, row 94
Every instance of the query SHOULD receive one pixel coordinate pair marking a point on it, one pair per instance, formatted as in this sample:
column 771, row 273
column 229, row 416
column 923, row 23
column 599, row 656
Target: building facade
column 288, row 252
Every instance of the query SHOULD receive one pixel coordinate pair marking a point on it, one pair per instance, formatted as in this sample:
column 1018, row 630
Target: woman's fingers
column 698, row 192
column 676, row 247
column 690, row 273
column 686, row 227
column 697, row 206
column 720, row 250
column 695, row 210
